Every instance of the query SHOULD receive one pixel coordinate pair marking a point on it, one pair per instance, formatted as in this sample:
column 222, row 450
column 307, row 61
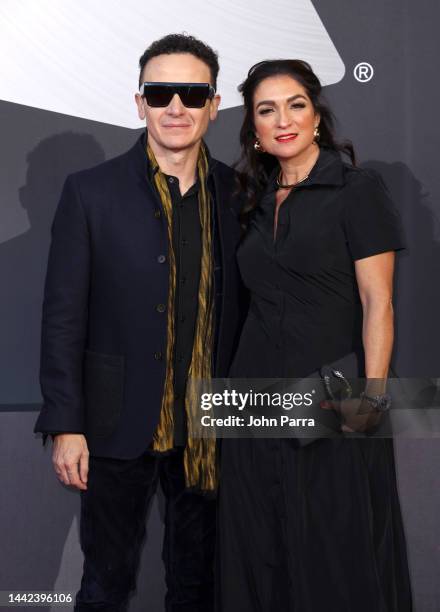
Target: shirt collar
column 150, row 171
column 328, row 170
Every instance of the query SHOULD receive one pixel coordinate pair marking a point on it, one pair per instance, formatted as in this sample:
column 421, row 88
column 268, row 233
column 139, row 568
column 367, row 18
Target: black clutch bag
column 338, row 380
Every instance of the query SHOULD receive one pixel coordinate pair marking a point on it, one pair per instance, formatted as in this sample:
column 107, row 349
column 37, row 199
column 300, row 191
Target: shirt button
column 184, row 242
column 157, row 214
column 182, row 318
column 180, row 358
column 161, row 308
column 158, row 356
column 183, row 280
column 161, row 259
column 171, row 179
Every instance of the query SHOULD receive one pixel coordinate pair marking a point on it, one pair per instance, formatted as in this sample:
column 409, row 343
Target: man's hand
column 70, row 459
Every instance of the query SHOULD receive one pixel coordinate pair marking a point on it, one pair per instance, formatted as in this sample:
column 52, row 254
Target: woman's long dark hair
column 255, row 167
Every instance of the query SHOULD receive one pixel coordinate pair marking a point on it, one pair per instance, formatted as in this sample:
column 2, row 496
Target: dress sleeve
column 371, row 222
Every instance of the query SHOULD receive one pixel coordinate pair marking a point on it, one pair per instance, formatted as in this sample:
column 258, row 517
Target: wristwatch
column 381, row 403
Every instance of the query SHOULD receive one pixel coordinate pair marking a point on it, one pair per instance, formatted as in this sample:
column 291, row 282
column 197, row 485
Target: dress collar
column 328, row 170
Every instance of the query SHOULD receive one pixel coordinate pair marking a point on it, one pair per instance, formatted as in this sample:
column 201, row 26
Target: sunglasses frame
column 175, row 86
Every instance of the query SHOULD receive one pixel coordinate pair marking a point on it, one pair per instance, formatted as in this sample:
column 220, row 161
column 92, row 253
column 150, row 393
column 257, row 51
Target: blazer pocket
column 103, row 392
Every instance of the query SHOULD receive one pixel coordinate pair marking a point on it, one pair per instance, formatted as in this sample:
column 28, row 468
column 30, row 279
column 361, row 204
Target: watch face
column 384, row 402
column 379, row 402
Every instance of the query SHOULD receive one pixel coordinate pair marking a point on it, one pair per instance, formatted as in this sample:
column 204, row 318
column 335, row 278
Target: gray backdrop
column 393, row 123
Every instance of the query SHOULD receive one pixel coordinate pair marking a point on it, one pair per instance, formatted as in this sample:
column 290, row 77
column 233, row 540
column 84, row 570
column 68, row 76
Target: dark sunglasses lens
column 192, row 96
column 157, row 95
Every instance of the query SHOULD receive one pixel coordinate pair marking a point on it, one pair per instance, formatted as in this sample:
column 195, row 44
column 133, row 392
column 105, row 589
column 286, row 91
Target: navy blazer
column 103, row 350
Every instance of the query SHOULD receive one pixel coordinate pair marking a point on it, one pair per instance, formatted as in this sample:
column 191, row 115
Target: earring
column 257, row 146
column 316, row 133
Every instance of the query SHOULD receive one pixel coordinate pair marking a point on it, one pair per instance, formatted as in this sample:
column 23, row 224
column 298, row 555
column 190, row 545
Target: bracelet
column 381, row 403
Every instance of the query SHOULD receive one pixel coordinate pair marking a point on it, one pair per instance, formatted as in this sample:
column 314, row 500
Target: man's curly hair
column 181, row 43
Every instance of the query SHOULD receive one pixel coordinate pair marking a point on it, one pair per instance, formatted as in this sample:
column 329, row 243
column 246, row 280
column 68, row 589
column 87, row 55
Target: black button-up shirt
column 187, row 244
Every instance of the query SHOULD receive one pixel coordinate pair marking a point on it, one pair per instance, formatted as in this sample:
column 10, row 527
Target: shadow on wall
column 23, row 262
column 417, row 294
column 38, row 516
column 35, row 538
column 417, row 302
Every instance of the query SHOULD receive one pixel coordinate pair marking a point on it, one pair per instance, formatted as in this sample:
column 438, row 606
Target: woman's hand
column 357, row 415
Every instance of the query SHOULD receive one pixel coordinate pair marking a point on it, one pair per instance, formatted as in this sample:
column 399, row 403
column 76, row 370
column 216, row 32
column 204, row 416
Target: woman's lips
column 286, row 137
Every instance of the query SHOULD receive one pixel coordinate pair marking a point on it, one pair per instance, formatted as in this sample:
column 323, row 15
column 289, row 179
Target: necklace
column 289, row 186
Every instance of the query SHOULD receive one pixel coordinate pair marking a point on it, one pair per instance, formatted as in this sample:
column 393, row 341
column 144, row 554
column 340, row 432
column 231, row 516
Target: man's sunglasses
column 192, row 95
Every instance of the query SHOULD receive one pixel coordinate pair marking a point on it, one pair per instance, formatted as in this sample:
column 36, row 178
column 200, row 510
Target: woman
column 314, row 528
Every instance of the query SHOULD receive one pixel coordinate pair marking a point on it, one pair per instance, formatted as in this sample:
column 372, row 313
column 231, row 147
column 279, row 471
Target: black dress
column 317, row 528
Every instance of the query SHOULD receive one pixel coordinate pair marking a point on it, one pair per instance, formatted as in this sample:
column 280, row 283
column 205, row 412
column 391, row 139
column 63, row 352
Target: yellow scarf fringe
column 200, row 452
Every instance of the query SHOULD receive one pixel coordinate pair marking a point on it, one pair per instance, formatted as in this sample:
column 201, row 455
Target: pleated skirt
column 311, row 529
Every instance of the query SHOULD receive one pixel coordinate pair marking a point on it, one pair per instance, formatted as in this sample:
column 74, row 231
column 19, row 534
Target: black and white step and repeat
column 67, row 81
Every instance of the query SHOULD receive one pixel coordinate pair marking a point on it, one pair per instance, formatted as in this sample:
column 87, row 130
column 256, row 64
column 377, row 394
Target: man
column 141, row 293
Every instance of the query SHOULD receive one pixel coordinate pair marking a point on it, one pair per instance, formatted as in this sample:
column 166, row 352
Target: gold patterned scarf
column 199, row 454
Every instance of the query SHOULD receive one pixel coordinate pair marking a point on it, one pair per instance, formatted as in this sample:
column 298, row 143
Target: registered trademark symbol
column 363, row 72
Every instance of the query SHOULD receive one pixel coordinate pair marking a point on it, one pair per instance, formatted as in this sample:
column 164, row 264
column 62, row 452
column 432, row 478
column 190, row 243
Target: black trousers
column 113, row 515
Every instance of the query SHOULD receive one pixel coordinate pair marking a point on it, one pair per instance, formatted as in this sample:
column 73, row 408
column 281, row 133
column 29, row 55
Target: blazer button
column 161, row 308
column 161, row 259
column 157, row 214
column 158, row 356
